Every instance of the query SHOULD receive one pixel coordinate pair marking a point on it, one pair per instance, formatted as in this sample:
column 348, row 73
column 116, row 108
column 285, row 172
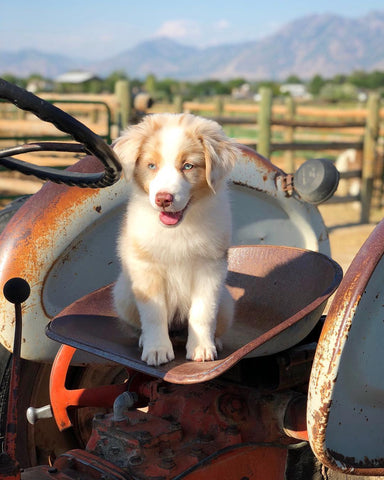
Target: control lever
column 35, row 414
column 16, row 291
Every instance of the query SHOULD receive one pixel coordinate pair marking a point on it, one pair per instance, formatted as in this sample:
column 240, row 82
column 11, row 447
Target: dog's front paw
column 157, row 354
column 202, row 353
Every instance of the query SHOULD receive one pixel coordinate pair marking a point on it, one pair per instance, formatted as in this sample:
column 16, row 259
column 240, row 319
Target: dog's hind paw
column 202, row 354
column 219, row 344
column 158, row 355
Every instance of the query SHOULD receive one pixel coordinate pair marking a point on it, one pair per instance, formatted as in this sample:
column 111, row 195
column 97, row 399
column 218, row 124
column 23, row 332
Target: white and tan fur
column 174, row 264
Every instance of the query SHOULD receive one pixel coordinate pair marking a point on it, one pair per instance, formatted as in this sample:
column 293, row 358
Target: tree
column 293, row 79
column 275, row 87
column 236, row 83
column 316, row 84
column 369, row 81
column 335, row 93
column 9, row 77
column 109, row 82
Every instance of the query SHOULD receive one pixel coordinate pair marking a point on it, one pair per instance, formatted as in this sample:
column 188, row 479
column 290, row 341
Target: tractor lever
column 16, row 291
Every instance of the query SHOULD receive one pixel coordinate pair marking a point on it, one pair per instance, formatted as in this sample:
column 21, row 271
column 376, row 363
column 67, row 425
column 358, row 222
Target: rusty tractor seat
column 280, row 294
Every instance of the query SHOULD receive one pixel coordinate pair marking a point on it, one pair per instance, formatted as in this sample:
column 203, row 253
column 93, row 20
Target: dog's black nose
column 163, row 199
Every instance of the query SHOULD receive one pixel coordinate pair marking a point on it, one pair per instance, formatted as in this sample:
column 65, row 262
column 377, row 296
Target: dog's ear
column 127, row 148
column 220, row 154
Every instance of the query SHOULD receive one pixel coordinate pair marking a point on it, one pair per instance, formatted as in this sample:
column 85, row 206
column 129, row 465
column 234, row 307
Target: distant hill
column 26, row 62
column 324, row 44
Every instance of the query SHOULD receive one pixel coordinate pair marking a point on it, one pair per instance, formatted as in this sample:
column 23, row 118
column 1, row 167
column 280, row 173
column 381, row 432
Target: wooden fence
column 282, row 131
column 362, row 124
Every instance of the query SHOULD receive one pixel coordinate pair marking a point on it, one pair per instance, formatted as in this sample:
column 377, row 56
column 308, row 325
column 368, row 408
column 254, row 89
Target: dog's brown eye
column 152, row 166
column 187, row 166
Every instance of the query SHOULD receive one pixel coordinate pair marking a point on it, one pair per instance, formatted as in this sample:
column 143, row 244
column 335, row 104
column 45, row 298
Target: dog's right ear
column 128, row 148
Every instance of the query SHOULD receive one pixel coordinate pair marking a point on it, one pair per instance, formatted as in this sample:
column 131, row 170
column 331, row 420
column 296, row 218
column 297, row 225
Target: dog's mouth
column 171, row 219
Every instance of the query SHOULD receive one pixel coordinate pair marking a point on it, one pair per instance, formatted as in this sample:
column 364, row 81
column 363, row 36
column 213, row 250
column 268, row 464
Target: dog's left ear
column 220, row 154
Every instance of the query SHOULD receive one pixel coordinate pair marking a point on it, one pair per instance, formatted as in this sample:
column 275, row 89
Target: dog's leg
column 202, row 315
column 157, row 347
column 147, row 295
column 225, row 316
column 124, row 301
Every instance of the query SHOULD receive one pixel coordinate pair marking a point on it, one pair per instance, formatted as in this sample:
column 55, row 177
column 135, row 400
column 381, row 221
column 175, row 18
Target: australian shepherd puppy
column 176, row 233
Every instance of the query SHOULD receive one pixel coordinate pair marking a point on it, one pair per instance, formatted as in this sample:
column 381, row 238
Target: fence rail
column 271, row 127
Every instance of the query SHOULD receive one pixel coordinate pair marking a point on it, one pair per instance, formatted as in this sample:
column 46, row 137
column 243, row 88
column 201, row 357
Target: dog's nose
column 163, row 199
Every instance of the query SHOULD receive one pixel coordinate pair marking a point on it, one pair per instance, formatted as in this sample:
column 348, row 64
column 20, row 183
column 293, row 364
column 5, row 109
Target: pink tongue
column 170, row 218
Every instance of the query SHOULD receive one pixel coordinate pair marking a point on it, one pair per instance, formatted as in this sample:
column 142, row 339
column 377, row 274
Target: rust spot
column 242, row 184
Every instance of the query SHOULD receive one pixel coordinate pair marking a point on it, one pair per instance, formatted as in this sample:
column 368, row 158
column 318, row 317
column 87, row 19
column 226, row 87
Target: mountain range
column 317, row 44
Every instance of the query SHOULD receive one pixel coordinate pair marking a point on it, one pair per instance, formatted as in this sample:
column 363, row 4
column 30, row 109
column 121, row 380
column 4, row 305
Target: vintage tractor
column 78, row 403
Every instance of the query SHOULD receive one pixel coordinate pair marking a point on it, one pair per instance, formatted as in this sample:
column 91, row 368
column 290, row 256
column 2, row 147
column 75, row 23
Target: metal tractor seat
column 280, row 294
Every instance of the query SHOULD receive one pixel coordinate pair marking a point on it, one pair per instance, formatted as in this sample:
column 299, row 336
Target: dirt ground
column 346, row 234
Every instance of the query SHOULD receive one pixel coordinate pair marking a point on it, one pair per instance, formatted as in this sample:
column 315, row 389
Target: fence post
column 219, row 106
column 124, row 100
column 369, row 155
column 265, row 112
column 290, row 135
column 178, row 101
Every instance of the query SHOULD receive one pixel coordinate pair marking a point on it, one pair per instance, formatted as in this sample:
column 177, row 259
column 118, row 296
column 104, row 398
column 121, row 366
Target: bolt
column 135, row 460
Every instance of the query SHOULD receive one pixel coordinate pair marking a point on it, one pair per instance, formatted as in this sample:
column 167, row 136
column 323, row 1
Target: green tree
column 9, row 77
column 274, row 86
column 316, row 84
column 293, row 79
column 109, row 82
column 235, row 83
column 335, row 93
column 367, row 80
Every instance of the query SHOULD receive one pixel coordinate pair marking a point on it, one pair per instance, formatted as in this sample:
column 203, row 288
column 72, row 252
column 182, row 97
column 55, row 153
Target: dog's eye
column 187, row 166
column 152, row 166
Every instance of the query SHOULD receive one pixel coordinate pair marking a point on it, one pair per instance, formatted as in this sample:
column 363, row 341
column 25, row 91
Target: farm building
column 296, row 90
column 78, row 82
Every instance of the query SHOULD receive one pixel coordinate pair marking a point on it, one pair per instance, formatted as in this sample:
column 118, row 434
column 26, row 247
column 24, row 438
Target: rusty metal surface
column 199, row 429
column 280, row 293
column 75, row 465
column 35, row 238
column 192, row 432
column 63, row 240
column 345, row 402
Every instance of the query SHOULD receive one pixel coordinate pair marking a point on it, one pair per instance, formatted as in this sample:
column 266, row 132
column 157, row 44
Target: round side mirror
column 316, row 180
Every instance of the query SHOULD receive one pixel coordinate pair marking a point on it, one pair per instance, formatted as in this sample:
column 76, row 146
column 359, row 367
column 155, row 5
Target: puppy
column 174, row 239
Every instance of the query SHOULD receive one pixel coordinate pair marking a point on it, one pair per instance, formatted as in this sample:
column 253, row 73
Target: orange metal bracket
column 61, row 398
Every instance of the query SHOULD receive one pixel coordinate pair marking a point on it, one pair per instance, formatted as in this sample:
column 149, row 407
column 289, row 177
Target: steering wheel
column 89, row 143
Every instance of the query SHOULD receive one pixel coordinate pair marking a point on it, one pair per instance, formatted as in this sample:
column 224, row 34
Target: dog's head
column 176, row 159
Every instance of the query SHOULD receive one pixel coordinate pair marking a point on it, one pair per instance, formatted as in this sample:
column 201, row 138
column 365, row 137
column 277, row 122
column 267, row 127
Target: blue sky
column 93, row 29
